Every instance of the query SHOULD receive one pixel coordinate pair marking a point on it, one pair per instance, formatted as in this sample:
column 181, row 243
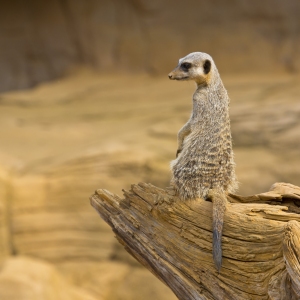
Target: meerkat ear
column 207, row 66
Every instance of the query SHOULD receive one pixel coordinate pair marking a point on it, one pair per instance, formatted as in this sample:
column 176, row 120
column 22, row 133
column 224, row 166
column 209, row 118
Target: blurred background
column 85, row 103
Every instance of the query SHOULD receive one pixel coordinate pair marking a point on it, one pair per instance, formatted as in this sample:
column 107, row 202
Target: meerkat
column 204, row 166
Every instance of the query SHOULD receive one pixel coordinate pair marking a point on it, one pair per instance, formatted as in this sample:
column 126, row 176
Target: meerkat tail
column 219, row 206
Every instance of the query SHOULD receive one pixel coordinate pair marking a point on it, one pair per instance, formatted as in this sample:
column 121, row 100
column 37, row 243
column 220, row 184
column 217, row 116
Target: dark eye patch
column 186, row 66
column 207, row 66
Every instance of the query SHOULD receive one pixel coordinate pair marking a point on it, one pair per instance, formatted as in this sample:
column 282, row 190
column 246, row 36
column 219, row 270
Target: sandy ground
column 62, row 140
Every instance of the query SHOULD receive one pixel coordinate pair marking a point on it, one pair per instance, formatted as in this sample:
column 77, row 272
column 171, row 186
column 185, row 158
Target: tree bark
column 173, row 239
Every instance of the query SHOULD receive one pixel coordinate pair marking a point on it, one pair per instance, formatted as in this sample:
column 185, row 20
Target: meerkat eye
column 186, row 66
column 206, row 66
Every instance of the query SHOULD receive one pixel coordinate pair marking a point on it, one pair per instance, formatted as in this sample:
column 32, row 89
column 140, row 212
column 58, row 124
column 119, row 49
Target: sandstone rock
column 30, row 279
column 40, row 42
column 5, row 215
column 115, row 280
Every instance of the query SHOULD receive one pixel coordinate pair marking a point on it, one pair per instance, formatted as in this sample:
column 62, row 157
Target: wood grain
column 173, row 239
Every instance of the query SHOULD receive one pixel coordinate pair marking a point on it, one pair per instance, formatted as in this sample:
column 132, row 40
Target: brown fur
column 204, row 167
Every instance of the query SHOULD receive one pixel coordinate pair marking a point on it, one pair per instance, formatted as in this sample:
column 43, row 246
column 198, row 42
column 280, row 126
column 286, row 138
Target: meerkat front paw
column 178, row 152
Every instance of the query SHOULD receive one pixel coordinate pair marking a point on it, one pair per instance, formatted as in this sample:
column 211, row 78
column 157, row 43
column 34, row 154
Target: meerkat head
column 195, row 66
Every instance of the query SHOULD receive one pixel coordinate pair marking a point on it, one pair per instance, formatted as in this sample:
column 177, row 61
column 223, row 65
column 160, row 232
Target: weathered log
column 173, row 239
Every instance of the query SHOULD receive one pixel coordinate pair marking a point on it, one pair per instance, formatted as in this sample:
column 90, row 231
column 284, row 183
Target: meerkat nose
column 170, row 76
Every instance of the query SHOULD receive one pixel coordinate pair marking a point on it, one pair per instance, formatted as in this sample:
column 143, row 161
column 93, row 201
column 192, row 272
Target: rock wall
column 62, row 140
column 40, row 41
column 5, row 217
column 24, row 278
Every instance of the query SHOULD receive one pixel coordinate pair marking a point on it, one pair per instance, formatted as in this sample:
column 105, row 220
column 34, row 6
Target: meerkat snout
column 181, row 72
